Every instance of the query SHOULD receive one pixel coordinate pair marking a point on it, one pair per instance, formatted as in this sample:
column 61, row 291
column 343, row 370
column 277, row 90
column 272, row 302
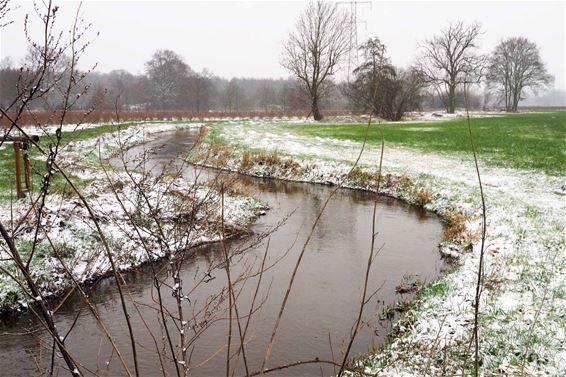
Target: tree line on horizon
column 313, row 54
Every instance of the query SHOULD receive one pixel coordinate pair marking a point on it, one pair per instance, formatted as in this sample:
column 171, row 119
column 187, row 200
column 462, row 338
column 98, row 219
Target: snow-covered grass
column 68, row 240
column 525, row 141
column 522, row 323
column 73, row 136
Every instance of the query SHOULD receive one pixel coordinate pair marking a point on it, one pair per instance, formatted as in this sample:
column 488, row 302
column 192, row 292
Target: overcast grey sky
column 243, row 39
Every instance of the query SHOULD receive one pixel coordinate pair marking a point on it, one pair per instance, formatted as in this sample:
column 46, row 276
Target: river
column 324, row 302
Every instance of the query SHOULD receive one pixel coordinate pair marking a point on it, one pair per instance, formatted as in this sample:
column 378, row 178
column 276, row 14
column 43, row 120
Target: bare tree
column 314, row 51
column 369, row 75
column 120, row 87
column 166, row 70
column 9, row 75
column 35, row 82
column 203, row 90
column 232, row 97
column 450, row 59
column 266, row 96
column 514, row 66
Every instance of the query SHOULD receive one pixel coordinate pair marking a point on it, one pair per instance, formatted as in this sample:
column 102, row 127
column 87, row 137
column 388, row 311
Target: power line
column 353, row 58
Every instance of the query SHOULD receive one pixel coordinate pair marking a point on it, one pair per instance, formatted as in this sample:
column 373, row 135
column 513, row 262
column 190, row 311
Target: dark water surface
column 324, row 301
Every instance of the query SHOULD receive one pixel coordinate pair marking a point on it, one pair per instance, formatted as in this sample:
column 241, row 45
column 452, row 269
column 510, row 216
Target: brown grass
column 247, row 161
column 362, row 176
column 272, row 158
column 456, row 226
column 389, row 181
column 219, row 154
column 423, row 197
column 396, row 181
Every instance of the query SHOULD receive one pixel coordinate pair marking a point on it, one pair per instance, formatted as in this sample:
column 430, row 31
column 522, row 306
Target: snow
column 68, row 225
column 524, row 297
column 433, row 116
column 50, row 129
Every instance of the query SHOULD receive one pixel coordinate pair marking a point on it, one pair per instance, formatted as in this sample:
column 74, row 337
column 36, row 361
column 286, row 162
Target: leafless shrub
column 4, row 10
column 230, row 184
column 153, row 211
column 35, row 82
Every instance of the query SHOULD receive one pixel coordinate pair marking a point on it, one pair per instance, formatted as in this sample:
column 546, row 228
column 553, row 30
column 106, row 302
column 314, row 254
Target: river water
column 323, row 305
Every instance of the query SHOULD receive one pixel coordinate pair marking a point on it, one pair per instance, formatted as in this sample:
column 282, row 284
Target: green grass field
column 535, row 141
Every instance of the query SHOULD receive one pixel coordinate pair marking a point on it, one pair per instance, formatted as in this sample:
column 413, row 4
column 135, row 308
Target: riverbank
column 522, row 326
column 132, row 209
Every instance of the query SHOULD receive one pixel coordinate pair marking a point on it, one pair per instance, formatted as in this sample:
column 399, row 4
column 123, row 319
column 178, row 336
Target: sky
column 244, row 39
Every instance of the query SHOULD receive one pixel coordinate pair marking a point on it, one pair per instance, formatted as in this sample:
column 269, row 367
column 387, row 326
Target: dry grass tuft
column 268, row 158
column 402, row 182
column 231, row 184
column 456, row 226
column 423, row 197
column 219, row 154
column 361, row 176
column 247, row 161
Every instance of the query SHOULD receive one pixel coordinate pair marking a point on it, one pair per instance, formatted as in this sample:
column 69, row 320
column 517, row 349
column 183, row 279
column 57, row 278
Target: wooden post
column 26, row 166
column 19, row 192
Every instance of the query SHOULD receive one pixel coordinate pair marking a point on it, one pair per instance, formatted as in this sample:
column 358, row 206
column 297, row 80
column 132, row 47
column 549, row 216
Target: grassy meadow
column 534, row 141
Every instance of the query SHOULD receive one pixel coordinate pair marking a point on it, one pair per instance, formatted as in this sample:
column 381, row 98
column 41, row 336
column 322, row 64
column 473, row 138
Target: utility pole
column 353, row 59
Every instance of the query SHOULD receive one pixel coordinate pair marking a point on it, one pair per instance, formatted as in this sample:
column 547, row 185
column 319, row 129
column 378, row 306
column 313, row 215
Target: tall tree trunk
column 515, row 105
column 516, row 98
column 508, row 100
column 451, row 99
column 315, row 111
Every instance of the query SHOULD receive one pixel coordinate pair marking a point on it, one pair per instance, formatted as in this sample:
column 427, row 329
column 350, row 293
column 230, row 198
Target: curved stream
column 324, row 302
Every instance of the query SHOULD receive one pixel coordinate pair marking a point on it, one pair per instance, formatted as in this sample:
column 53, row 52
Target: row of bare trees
column 313, row 54
column 451, row 60
column 448, row 61
column 198, row 92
